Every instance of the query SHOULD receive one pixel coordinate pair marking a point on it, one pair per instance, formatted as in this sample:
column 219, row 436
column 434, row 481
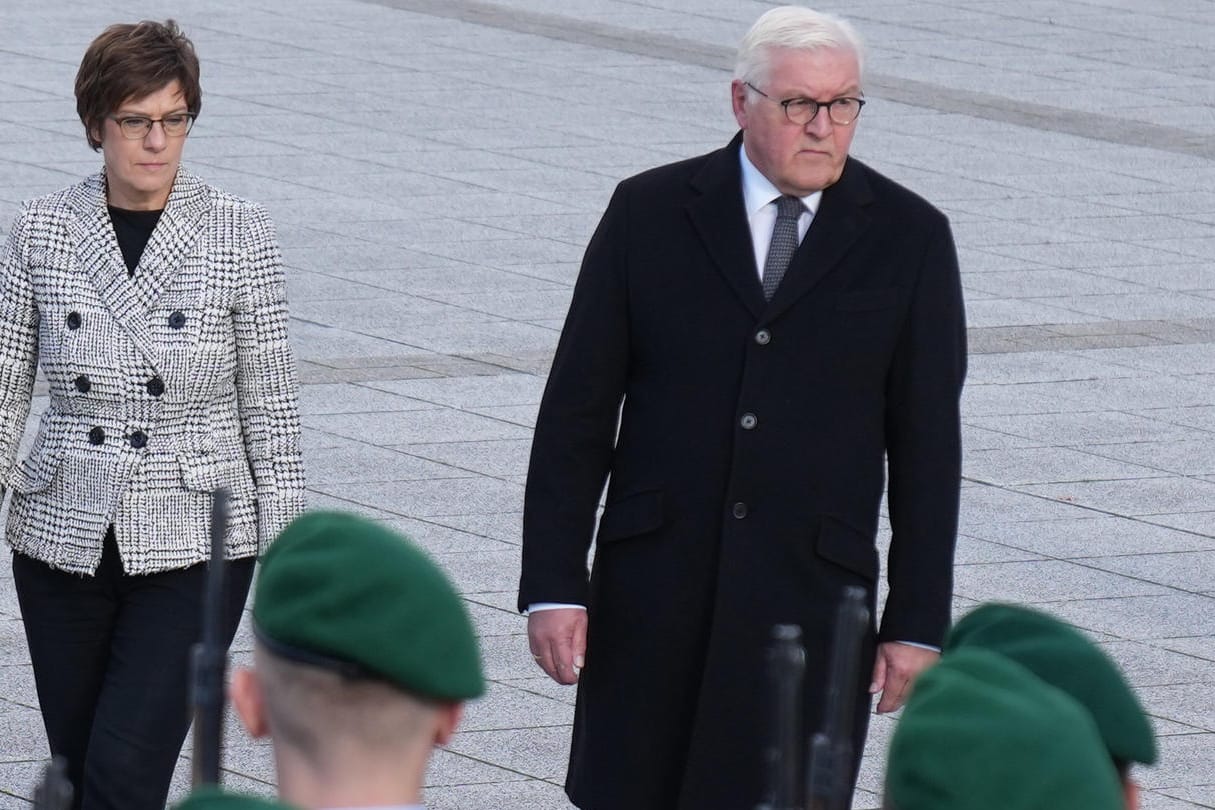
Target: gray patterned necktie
column 783, row 244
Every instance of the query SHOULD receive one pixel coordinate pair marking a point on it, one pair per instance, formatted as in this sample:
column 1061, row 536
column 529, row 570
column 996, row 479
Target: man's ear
column 450, row 715
column 248, row 701
column 738, row 100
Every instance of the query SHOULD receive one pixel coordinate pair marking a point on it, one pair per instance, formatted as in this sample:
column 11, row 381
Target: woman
column 156, row 307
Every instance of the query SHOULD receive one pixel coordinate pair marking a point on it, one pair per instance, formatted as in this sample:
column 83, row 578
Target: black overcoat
column 747, row 444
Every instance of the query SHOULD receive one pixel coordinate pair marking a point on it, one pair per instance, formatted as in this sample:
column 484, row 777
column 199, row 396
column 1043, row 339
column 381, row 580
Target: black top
column 133, row 229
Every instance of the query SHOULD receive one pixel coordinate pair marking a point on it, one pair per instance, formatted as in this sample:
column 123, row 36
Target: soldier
column 363, row 660
column 981, row 731
column 1065, row 659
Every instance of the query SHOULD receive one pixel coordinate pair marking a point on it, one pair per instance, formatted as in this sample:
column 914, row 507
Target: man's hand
column 894, row 671
column 558, row 642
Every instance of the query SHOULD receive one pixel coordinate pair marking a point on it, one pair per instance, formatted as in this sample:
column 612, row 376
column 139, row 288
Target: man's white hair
column 795, row 28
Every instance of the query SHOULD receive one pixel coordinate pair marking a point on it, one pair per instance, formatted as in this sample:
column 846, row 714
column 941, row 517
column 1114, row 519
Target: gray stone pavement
column 436, row 167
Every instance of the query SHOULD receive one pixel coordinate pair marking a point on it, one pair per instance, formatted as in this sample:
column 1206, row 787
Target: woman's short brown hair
column 132, row 61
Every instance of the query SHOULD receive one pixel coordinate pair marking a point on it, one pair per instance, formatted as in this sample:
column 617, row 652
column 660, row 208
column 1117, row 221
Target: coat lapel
column 176, row 232
column 839, row 222
column 720, row 219
column 97, row 251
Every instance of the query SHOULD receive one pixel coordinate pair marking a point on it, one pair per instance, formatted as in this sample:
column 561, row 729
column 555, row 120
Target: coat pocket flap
column 630, row 516
column 208, row 473
column 845, row 546
column 868, row 299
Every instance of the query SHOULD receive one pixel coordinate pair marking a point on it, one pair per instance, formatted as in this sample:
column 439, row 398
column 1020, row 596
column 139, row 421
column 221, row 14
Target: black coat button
column 73, row 320
column 177, row 319
column 740, row 510
column 138, row 439
column 763, row 337
column 96, row 436
column 156, row 386
column 82, row 384
column 748, row 421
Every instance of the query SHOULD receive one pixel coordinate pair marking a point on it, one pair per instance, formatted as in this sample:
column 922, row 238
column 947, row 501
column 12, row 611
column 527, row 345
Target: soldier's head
column 363, row 659
column 1060, row 655
column 981, row 731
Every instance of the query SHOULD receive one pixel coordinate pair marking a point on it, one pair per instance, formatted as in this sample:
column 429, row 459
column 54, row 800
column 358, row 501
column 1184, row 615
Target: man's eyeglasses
column 135, row 127
column 801, row 111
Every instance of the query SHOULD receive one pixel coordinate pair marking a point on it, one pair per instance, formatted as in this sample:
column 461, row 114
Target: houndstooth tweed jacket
column 163, row 386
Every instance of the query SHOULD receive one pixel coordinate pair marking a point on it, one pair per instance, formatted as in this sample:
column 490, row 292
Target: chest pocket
column 866, row 300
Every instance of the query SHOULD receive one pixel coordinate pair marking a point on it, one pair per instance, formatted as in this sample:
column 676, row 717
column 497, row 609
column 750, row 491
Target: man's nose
column 820, row 125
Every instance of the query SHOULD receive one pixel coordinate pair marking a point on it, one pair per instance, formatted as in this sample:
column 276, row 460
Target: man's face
column 798, row 159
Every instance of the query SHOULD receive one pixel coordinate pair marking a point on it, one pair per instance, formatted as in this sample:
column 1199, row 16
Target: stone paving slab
column 435, row 168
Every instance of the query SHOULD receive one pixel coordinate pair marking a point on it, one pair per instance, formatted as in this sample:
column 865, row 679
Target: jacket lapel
column 720, row 219
column 176, row 232
column 97, row 251
column 839, row 222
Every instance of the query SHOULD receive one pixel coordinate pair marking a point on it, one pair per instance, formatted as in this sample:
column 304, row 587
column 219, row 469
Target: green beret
column 212, row 798
column 1058, row 654
column 980, row 731
column 342, row 592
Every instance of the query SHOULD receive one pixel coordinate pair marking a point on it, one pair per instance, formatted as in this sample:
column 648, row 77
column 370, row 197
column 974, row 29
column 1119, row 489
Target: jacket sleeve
column 924, row 453
column 576, row 427
column 18, row 343
column 267, row 386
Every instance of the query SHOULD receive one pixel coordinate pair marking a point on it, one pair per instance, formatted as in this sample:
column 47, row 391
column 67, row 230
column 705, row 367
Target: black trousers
column 111, row 656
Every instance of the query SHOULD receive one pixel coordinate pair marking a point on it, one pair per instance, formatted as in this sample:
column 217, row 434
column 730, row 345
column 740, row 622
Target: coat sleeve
column 267, row 386
column 923, row 445
column 18, row 343
column 576, row 427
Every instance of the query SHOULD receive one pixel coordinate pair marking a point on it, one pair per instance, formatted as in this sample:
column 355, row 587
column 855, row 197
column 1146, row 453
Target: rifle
column 829, row 775
column 829, row 770
column 209, row 657
column 786, row 674
column 54, row 792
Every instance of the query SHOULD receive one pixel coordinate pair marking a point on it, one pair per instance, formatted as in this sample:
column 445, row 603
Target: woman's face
column 140, row 172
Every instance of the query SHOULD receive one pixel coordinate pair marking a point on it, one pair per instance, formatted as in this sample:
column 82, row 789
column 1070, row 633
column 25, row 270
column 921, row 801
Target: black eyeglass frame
column 121, row 121
column 818, row 105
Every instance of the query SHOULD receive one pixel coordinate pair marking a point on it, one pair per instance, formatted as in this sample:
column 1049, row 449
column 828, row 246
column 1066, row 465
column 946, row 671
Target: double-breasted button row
column 155, row 386
column 138, row 439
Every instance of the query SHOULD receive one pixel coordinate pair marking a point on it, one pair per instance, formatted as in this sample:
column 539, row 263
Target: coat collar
column 719, row 217
column 131, row 299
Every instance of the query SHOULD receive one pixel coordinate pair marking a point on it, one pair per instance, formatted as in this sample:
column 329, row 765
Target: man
column 981, row 731
column 745, row 435
column 1059, row 655
column 364, row 657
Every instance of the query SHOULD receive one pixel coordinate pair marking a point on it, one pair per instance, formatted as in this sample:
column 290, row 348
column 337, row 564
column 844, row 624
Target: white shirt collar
column 758, row 190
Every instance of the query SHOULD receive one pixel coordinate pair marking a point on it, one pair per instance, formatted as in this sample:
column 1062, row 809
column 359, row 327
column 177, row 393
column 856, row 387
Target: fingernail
column 873, row 687
column 579, row 661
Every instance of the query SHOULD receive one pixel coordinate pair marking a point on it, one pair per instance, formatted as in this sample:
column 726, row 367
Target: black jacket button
column 177, row 319
column 138, row 439
column 82, row 384
column 96, row 436
column 156, row 386
column 739, row 510
column 763, row 337
column 73, row 320
column 748, row 421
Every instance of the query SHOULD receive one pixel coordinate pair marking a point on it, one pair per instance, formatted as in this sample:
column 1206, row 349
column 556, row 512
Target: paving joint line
column 929, row 95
